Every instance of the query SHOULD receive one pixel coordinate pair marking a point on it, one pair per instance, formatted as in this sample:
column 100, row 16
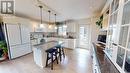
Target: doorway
column 84, row 36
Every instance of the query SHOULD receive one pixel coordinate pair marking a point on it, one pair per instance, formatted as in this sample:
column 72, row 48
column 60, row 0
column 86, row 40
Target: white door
column 84, row 36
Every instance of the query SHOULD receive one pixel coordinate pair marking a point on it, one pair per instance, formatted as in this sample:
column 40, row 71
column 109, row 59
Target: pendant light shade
column 55, row 22
column 41, row 25
column 49, row 18
column 65, row 26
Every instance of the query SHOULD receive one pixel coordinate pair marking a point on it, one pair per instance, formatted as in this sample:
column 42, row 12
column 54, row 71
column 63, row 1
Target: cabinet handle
column 114, row 44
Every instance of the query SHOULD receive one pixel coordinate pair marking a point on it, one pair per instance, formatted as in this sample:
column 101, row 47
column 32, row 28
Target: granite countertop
column 48, row 44
column 54, row 37
column 106, row 66
column 61, row 37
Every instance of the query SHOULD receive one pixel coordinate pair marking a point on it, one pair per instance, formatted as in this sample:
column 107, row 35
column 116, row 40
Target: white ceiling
column 67, row 9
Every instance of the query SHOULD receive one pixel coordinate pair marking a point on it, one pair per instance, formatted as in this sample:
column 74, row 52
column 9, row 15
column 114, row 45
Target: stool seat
column 58, row 46
column 51, row 50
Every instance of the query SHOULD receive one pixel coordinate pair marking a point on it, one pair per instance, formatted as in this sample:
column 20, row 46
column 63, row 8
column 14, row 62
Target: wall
column 18, row 20
column 94, row 30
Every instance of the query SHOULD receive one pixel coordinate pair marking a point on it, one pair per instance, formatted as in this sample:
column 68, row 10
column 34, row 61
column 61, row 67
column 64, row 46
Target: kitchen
column 74, row 36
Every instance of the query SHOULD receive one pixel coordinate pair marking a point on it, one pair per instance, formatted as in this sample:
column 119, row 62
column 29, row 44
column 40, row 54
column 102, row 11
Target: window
column 62, row 30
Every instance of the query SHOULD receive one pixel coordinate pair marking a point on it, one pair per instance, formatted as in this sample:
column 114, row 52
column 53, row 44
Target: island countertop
column 49, row 44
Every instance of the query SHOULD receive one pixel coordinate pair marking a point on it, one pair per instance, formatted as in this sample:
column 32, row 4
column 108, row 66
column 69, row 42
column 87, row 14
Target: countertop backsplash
column 69, row 35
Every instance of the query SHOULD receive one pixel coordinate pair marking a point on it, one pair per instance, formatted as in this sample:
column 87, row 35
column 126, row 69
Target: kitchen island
column 40, row 54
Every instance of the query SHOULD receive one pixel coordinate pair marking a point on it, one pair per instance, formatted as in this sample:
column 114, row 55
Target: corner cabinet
column 118, row 36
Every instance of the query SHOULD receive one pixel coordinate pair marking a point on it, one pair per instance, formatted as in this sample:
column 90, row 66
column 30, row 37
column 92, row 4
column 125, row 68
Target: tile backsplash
column 53, row 34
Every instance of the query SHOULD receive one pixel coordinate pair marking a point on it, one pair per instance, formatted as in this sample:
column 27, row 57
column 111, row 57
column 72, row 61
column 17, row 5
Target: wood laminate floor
column 76, row 61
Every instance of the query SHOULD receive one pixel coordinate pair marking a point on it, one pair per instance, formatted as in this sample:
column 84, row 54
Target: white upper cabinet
column 13, row 34
column 71, row 27
column 25, row 34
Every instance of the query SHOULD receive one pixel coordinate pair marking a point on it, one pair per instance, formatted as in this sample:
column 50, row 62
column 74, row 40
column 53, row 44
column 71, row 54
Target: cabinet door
column 65, row 43
column 15, row 51
column 71, row 43
column 71, row 27
column 13, row 32
column 26, row 48
column 25, row 34
column 19, row 50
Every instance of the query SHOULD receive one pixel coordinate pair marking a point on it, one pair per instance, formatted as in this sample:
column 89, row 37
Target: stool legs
column 51, row 61
column 63, row 52
column 52, row 55
column 47, row 59
column 60, row 53
column 56, row 58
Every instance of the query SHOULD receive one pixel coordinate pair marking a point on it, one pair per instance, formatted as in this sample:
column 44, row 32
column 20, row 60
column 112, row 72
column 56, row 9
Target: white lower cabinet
column 65, row 43
column 71, row 43
column 68, row 43
column 20, row 50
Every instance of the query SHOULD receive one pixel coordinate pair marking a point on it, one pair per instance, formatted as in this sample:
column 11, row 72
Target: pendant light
column 55, row 22
column 49, row 19
column 65, row 26
column 41, row 25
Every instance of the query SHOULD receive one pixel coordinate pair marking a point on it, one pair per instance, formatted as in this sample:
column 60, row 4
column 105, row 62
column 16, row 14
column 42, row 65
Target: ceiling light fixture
column 49, row 18
column 41, row 25
column 65, row 26
column 55, row 22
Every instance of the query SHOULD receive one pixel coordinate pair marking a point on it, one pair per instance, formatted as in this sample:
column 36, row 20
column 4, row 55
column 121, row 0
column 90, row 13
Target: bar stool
column 51, row 53
column 60, row 51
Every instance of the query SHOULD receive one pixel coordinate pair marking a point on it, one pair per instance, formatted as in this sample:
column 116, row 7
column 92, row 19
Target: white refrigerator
column 18, row 39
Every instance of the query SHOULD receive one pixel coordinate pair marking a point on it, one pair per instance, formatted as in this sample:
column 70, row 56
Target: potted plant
column 99, row 22
column 1, row 52
column 3, row 47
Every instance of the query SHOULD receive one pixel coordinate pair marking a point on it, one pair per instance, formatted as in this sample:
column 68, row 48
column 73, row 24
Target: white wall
column 94, row 30
column 18, row 20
